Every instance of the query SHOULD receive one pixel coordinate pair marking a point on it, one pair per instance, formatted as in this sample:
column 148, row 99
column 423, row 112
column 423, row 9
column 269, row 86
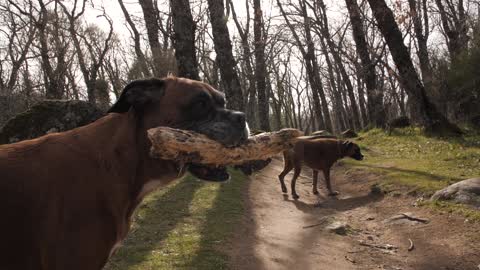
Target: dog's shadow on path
column 334, row 203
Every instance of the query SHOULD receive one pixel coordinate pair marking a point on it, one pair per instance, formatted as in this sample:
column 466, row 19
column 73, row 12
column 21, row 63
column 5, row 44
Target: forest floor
column 281, row 233
column 247, row 223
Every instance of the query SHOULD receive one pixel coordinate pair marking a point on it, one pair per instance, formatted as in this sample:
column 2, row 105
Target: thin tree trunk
column 422, row 38
column 361, row 97
column 374, row 94
column 184, row 36
column 310, row 71
column 151, row 23
column 225, row 60
column 324, row 27
column 251, row 100
column 260, row 68
column 136, row 39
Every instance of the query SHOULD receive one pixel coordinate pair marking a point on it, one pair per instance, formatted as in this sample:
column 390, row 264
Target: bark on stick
column 191, row 147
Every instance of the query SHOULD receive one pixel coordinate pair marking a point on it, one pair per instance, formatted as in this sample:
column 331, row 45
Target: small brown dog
column 318, row 154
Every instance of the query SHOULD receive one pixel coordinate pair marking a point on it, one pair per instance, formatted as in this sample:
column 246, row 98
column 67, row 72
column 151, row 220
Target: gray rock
column 465, row 192
column 48, row 116
column 338, row 227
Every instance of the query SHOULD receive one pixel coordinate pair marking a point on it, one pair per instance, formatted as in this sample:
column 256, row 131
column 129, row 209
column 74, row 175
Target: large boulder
column 466, row 192
column 48, row 116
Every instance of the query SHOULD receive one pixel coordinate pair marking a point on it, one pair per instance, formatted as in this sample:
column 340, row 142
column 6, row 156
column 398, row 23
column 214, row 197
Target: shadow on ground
column 155, row 218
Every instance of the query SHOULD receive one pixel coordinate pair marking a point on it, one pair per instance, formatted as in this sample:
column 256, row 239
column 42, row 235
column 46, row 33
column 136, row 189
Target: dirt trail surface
column 281, row 233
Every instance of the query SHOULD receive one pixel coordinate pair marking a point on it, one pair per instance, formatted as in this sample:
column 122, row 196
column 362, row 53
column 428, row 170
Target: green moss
column 450, row 207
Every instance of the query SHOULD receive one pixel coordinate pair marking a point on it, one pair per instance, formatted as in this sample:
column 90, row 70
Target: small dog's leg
column 281, row 176
column 331, row 192
column 315, row 181
column 296, row 173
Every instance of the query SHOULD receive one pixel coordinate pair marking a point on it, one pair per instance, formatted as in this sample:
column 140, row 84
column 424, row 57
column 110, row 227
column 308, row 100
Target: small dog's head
column 352, row 150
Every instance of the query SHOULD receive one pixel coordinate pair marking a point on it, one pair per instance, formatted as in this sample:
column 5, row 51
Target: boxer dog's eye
column 201, row 106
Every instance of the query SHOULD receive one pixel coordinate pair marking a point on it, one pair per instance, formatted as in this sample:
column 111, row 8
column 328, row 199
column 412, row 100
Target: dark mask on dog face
column 352, row 150
column 185, row 104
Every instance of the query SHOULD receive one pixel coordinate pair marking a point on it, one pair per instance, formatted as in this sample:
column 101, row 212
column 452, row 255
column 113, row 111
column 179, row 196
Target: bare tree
column 454, row 23
column 426, row 112
column 244, row 32
column 223, row 47
column 91, row 58
column 417, row 8
column 322, row 22
column 20, row 34
column 136, row 38
column 260, row 67
column 311, row 69
column 184, row 36
column 374, row 94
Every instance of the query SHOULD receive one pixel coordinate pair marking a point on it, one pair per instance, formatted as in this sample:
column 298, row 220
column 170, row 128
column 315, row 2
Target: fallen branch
column 386, row 246
column 411, row 247
column 191, row 147
column 410, row 217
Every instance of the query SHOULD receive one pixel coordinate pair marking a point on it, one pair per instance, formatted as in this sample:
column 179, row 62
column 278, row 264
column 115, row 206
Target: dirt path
column 281, row 233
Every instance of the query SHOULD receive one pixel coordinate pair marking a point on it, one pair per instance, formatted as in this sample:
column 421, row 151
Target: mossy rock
column 48, row 116
column 349, row 134
column 321, row 133
column 399, row 122
column 475, row 121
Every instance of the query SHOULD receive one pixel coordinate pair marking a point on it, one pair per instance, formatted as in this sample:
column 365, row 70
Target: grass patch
column 409, row 158
column 449, row 207
column 183, row 226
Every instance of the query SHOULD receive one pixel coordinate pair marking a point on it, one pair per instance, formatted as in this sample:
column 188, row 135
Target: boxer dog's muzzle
column 225, row 126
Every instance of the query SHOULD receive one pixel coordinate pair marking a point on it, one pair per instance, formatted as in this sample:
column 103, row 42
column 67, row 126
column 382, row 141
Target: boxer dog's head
column 185, row 104
column 352, row 150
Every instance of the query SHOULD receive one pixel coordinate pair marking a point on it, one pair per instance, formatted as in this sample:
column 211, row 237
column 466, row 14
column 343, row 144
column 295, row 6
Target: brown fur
column 67, row 198
column 318, row 154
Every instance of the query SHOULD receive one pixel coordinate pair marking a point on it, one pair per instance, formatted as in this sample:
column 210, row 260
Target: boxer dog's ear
column 138, row 94
column 347, row 144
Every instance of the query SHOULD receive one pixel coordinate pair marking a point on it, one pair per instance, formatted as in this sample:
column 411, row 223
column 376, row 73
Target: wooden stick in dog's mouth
column 191, row 147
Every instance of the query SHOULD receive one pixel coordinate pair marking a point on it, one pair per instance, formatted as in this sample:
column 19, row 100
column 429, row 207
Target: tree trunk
column 251, row 100
column 374, row 94
column 314, row 85
column 361, row 96
column 225, row 60
column 153, row 28
column 260, row 68
column 324, row 27
column 455, row 28
column 427, row 112
column 184, row 36
column 422, row 38
column 136, row 39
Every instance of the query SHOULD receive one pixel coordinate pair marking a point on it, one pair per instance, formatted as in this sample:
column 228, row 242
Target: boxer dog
column 67, row 198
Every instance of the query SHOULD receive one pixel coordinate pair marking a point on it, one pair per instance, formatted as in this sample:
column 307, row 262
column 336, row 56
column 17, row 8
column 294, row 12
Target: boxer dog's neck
column 121, row 146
